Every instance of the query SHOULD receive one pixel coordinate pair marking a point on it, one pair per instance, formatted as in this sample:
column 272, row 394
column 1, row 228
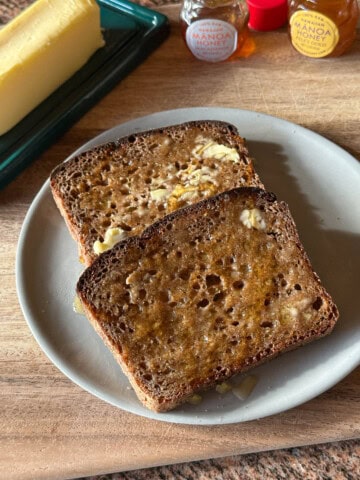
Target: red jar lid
column 267, row 14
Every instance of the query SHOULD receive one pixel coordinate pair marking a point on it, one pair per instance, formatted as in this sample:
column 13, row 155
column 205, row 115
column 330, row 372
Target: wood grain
column 49, row 427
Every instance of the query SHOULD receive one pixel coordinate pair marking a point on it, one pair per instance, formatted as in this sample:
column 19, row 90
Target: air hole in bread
column 238, row 284
column 142, row 294
column 203, row 303
column 185, row 274
column 235, row 323
column 106, row 223
column 297, row 286
column 196, row 286
column 212, row 280
column 266, row 324
column 219, row 296
column 318, row 303
column 125, row 226
column 84, row 187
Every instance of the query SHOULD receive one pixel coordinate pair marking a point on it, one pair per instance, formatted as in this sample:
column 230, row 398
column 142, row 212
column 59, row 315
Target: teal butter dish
column 131, row 33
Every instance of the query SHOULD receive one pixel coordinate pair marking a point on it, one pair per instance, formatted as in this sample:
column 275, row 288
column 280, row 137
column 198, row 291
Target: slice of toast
column 205, row 293
column 118, row 189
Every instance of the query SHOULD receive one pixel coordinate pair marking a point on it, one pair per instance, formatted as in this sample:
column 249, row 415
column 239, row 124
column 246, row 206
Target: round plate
column 318, row 180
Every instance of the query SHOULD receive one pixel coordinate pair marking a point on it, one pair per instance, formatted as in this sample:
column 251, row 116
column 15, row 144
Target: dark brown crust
column 302, row 306
column 80, row 186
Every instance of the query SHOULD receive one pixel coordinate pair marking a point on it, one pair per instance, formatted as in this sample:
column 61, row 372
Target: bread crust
column 202, row 295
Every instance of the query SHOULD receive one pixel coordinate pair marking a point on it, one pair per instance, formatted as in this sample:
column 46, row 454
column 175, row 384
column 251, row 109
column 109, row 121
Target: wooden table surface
column 49, row 427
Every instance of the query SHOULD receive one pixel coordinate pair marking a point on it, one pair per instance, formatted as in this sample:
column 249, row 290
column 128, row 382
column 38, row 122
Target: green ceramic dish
column 131, row 33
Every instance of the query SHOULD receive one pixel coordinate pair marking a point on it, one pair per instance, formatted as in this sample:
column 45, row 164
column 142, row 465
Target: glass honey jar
column 216, row 30
column 322, row 28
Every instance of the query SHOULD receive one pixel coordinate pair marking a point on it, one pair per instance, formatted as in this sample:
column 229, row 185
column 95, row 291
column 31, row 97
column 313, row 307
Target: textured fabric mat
column 336, row 461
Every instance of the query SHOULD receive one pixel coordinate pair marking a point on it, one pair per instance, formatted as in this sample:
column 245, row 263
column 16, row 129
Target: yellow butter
column 41, row 49
column 112, row 237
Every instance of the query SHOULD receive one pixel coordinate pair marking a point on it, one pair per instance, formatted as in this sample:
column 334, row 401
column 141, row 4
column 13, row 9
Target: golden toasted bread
column 118, row 189
column 205, row 293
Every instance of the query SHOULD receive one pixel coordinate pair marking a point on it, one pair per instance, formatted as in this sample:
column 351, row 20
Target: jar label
column 211, row 40
column 313, row 34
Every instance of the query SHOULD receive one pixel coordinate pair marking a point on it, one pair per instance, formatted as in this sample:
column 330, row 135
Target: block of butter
column 41, row 49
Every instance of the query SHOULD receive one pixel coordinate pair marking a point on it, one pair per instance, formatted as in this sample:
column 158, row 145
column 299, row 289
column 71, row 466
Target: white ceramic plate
column 321, row 183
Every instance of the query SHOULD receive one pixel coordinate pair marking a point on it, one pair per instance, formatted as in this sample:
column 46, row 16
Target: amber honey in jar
column 216, row 30
column 322, row 28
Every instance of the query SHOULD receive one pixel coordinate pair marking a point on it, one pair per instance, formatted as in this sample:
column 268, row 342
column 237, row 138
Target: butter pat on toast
column 205, row 293
column 118, row 189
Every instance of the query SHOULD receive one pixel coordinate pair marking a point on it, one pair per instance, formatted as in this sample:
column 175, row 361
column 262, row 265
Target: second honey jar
column 323, row 28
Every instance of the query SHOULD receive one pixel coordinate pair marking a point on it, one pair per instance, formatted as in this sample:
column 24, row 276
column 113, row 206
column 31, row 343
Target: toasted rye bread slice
column 128, row 184
column 205, row 293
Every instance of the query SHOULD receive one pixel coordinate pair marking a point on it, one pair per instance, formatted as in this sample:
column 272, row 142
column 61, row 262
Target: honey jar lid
column 267, row 15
